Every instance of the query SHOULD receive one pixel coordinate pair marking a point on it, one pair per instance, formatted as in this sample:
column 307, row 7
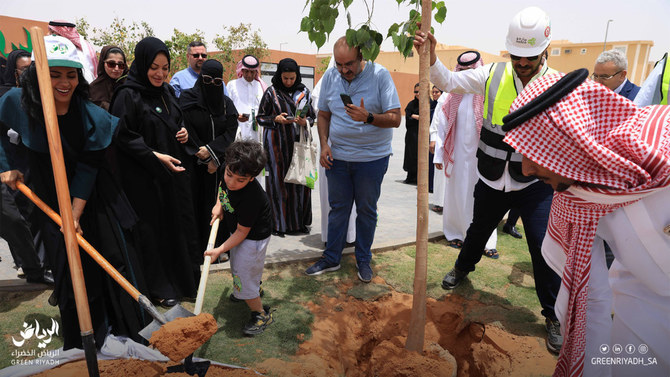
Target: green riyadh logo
column 532, row 41
column 3, row 43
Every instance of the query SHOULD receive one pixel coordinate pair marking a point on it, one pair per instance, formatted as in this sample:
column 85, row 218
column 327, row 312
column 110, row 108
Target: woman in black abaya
column 212, row 118
column 154, row 148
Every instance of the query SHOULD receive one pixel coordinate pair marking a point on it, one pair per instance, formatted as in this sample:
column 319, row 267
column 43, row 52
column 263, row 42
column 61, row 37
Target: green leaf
column 375, row 52
column 441, row 15
column 329, row 24
column 347, row 3
column 320, row 39
column 305, row 24
column 351, row 37
column 362, row 36
column 379, row 38
column 324, row 12
column 393, row 29
column 349, row 19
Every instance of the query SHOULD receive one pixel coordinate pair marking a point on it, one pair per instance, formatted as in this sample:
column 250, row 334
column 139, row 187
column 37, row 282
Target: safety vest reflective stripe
column 499, row 153
column 665, row 81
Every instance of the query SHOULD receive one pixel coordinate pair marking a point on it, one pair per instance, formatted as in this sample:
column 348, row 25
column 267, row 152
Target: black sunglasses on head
column 530, row 58
column 209, row 79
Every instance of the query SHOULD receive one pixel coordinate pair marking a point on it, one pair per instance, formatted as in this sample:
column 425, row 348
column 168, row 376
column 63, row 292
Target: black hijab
column 3, row 65
column 8, row 79
column 287, row 65
column 145, row 53
column 207, row 96
column 102, row 88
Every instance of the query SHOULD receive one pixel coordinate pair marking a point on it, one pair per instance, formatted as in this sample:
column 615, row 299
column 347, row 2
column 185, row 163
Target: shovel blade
column 175, row 312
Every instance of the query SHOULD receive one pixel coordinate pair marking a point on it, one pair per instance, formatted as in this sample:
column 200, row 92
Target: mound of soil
column 357, row 338
column 180, row 337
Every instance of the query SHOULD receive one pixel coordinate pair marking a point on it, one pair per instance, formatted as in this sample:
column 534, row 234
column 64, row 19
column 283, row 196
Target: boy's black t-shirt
column 249, row 207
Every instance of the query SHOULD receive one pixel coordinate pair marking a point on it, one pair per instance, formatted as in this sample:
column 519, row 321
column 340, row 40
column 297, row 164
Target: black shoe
column 258, row 322
column 232, row 297
column 278, row 234
column 554, row 337
column 46, row 278
column 511, row 230
column 453, row 278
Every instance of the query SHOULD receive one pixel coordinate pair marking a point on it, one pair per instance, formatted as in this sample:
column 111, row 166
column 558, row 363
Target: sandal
column 491, row 253
column 455, row 243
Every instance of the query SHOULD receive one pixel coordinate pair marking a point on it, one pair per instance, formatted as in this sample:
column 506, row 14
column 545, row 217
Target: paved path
column 397, row 224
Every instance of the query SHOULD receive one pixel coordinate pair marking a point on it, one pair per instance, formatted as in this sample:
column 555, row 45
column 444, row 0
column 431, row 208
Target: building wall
column 15, row 36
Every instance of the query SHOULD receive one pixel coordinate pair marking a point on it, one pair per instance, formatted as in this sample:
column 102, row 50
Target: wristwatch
column 370, row 119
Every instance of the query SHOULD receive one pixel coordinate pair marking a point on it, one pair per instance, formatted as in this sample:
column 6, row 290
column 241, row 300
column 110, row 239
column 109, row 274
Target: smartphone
column 289, row 118
column 245, row 115
column 346, row 100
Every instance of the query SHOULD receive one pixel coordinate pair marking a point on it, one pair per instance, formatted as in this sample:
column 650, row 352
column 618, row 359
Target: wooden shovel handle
column 90, row 250
column 205, row 268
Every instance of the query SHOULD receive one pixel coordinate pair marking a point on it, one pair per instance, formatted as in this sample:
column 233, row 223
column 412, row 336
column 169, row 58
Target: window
column 555, row 51
column 583, row 51
column 621, row 48
column 567, row 51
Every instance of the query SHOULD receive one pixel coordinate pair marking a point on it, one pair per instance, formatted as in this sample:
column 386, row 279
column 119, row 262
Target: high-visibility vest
column 493, row 154
column 665, row 81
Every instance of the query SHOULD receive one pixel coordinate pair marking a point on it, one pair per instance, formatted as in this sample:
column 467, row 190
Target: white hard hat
column 529, row 33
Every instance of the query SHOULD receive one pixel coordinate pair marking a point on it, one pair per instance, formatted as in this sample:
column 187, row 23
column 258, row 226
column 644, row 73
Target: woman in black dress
column 212, row 118
column 154, row 149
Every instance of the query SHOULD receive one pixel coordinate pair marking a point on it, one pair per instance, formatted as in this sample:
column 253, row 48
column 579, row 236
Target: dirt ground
column 366, row 337
column 360, row 330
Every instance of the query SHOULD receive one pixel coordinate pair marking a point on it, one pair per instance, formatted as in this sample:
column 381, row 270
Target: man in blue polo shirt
column 356, row 161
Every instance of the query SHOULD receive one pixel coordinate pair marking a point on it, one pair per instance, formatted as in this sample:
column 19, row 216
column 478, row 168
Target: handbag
column 303, row 169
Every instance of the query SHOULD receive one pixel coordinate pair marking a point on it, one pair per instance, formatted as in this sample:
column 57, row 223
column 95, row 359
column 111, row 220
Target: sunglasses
column 416, row 92
column 112, row 64
column 204, row 56
column 530, row 58
column 209, row 79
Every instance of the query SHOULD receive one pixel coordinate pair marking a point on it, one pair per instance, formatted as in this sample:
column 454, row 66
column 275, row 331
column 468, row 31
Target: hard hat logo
column 529, row 32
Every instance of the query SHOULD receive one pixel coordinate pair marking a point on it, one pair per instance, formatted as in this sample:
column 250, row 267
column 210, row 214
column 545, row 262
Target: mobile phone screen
column 346, row 99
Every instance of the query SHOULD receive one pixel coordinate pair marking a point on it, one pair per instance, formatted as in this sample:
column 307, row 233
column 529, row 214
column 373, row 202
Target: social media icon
column 617, row 348
column 643, row 349
column 630, row 349
column 604, row 348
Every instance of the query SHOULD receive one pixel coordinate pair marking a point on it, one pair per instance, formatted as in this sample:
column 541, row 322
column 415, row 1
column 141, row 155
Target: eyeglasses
column 204, row 56
column 604, row 77
column 530, row 58
column 112, row 64
column 416, row 92
column 209, row 79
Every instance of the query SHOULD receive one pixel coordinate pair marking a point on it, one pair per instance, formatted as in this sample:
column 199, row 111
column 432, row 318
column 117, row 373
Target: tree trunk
column 417, row 322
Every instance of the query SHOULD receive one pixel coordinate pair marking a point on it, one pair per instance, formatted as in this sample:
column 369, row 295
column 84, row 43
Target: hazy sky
column 479, row 24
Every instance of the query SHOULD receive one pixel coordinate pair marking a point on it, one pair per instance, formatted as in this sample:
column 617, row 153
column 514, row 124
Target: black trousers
column 533, row 204
column 16, row 231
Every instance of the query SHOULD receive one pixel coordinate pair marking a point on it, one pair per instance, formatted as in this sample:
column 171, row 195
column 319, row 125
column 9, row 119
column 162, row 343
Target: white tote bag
column 304, row 168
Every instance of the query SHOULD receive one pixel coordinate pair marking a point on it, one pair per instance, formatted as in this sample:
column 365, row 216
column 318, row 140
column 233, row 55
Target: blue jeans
column 533, row 204
column 350, row 182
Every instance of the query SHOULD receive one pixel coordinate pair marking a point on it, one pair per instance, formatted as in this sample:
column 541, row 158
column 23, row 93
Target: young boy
column 245, row 209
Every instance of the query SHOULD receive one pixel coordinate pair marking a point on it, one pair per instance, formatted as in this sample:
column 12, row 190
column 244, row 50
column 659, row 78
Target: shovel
column 205, row 268
column 176, row 311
